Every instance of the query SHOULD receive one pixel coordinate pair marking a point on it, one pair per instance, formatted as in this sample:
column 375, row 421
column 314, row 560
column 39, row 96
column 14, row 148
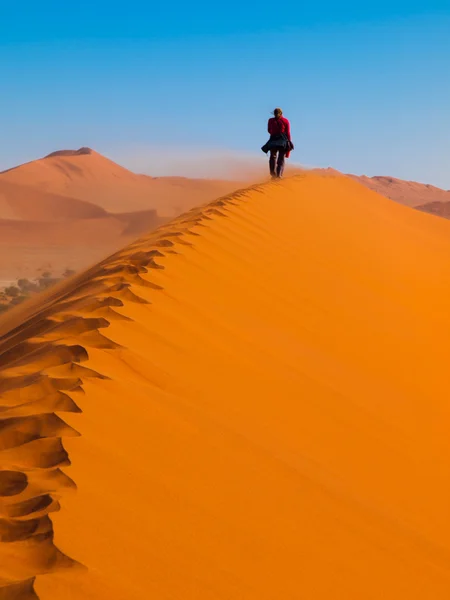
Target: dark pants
column 281, row 152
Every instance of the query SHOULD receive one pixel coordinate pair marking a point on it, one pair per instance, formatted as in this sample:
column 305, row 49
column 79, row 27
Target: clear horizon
column 183, row 89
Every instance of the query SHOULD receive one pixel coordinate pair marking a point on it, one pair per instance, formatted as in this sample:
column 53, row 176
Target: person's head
column 277, row 113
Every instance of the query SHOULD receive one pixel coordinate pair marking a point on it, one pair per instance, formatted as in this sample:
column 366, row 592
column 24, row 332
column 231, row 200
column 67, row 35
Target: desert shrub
column 12, row 291
column 15, row 294
column 46, row 282
column 27, row 286
column 17, row 300
column 23, row 283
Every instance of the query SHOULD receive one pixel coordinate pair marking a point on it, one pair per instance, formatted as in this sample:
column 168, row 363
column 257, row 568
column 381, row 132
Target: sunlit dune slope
column 254, row 402
column 87, row 175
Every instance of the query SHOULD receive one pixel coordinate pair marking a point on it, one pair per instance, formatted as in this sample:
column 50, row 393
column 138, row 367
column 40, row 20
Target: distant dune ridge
column 440, row 209
column 409, row 193
column 250, row 402
column 86, row 175
column 78, row 152
column 74, row 207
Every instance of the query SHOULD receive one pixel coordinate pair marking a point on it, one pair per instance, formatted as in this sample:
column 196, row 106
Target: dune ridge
column 36, row 376
column 264, row 408
column 409, row 193
column 438, row 208
column 79, row 152
column 74, row 207
column 39, row 367
column 88, row 176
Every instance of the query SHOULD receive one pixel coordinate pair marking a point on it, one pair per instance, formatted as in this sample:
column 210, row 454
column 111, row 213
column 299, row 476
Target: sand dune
column 264, row 409
column 25, row 202
column 86, row 175
column 27, row 247
column 440, row 209
column 409, row 193
column 74, row 207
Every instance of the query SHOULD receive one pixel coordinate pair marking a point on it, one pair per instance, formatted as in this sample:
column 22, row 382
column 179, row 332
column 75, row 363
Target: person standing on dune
column 279, row 144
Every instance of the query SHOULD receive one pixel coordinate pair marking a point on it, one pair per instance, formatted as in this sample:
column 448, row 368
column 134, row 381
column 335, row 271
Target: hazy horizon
column 201, row 163
column 365, row 87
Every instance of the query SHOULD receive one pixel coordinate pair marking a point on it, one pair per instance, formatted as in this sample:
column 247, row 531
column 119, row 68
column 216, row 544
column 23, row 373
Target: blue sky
column 365, row 85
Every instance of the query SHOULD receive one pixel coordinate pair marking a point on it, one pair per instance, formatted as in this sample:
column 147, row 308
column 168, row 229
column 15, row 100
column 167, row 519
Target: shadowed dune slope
column 264, row 409
column 24, row 202
column 440, row 209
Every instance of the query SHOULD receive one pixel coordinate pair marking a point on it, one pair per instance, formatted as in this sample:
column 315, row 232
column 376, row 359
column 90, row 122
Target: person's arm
column 269, row 123
column 288, row 129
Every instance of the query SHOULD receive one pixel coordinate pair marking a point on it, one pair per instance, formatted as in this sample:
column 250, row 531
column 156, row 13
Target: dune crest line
column 264, row 408
column 41, row 372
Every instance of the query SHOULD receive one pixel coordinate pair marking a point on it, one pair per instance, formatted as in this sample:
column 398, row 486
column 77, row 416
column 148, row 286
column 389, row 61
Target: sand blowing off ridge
column 74, row 207
column 254, row 403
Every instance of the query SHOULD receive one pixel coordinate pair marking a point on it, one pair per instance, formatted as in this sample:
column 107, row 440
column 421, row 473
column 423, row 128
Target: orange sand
column 28, row 203
column 89, row 176
column 264, row 395
column 440, row 209
column 410, row 193
column 73, row 208
column 29, row 247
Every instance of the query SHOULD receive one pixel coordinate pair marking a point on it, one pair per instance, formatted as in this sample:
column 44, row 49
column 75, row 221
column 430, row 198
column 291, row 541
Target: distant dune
column 28, row 247
column 74, row 207
column 28, row 203
column 78, row 152
column 409, row 193
column 440, row 209
column 250, row 402
column 86, row 175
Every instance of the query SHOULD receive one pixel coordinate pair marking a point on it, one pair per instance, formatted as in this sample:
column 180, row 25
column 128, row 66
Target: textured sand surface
column 254, row 402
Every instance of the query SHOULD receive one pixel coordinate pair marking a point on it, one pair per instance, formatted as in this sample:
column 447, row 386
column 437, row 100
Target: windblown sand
column 254, row 403
column 73, row 208
column 87, row 176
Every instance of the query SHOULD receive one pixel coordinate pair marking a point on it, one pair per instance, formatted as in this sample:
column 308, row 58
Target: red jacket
column 279, row 126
